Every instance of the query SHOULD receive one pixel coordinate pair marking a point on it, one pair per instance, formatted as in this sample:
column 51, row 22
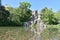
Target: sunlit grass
column 51, row 32
column 54, row 26
column 14, row 33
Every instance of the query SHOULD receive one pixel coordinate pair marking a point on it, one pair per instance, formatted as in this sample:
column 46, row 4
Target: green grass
column 54, row 26
column 51, row 32
column 14, row 33
column 19, row 33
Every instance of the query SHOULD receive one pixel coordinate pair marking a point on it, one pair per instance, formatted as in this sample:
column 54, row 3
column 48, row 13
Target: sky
column 36, row 4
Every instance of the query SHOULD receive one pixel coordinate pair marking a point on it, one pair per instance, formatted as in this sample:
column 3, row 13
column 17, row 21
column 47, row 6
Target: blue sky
column 36, row 4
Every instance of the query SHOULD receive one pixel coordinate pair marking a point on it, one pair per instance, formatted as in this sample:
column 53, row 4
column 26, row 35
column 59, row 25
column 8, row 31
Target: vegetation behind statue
column 15, row 16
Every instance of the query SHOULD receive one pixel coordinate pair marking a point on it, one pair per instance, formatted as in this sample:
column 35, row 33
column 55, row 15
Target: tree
column 4, row 14
column 0, row 2
column 48, row 16
column 15, row 16
column 21, row 14
column 25, row 12
column 57, row 15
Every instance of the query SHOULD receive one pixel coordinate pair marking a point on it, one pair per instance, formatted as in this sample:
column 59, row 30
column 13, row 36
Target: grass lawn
column 19, row 33
column 14, row 33
column 52, row 31
column 54, row 26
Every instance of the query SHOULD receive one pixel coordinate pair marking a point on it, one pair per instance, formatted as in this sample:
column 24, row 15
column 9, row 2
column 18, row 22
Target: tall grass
column 14, row 33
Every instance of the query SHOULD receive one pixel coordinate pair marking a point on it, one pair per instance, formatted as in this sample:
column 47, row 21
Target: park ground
column 19, row 33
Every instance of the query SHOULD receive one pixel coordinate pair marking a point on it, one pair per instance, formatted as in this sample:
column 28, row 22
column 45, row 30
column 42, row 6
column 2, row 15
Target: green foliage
column 48, row 16
column 57, row 15
column 4, row 14
column 20, row 14
column 25, row 5
column 16, row 16
column 25, row 12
